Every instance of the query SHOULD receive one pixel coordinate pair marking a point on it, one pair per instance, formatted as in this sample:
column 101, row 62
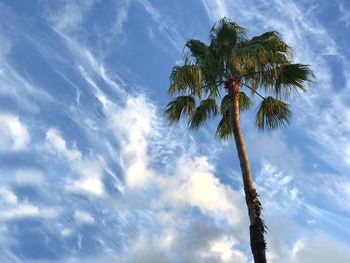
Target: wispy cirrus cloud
column 345, row 15
column 216, row 9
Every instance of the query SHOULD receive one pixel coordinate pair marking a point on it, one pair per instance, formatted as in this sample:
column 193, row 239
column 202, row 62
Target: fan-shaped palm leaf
column 185, row 79
column 272, row 114
column 180, row 106
column 206, row 110
column 224, row 130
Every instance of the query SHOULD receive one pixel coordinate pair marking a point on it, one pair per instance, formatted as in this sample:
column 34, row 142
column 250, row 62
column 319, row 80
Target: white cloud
column 13, row 208
column 29, row 176
column 83, row 217
column 186, row 241
column 150, row 9
column 194, row 184
column 90, row 170
column 165, row 26
column 319, row 248
column 345, row 15
column 223, row 247
column 278, row 190
column 8, row 196
column 134, row 126
column 122, row 17
column 216, row 9
column 22, row 210
column 71, row 15
column 55, row 139
column 14, row 134
column 24, row 93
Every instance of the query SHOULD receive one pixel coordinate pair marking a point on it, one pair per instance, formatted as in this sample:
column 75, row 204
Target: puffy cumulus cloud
column 14, row 135
column 90, row 170
column 194, row 184
column 195, row 240
column 135, row 125
column 223, row 248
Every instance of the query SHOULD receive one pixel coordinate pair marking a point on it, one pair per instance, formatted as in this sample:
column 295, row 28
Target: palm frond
column 224, row 37
column 197, row 49
column 187, row 78
column 292, row 77
column 273, row 114
column 226, row 104
column 227, row 33
column 224, row 130
column 178, row 107
column 273, row 41
column 244, row 101
column 206, row 110
column 282, row 80
column 262, row 51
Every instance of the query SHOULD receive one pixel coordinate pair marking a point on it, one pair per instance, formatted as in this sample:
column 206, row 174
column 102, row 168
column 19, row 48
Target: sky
column 91, row 172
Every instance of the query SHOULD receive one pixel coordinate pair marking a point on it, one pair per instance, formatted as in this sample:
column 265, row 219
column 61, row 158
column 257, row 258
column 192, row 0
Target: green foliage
column 262, row 64
column 272, row 114
column 292, row 77
column 204, row 111
column 226, row 33
column 244, row 101
column 187, row 78
column 180, row 106
column 198, row 50
column 224, row 131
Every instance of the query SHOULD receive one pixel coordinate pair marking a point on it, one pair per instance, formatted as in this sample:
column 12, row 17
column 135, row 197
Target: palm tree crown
column 260, row 64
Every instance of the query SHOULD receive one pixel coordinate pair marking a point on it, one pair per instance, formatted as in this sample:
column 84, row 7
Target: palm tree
column 224, row 70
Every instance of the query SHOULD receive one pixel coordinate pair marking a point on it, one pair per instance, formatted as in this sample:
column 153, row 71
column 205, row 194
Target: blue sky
column 90, row 171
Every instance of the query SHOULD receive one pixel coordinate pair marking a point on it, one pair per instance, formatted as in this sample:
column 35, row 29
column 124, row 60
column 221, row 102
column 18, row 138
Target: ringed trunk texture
column 257, row 226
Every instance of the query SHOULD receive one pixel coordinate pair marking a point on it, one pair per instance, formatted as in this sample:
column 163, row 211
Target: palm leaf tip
column 293, row 77
column 197, row 48
column 187, row 78
column 226, row 25
column 224, row 131
column 272, row 114
column 178, row 107
column 202, row 113
column 244, row 101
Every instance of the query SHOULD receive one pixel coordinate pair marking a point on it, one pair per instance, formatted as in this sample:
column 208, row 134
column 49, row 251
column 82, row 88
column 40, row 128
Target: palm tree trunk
column 257, row 226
